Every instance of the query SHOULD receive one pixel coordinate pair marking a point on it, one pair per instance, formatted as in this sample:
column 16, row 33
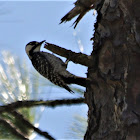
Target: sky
column 22, row 22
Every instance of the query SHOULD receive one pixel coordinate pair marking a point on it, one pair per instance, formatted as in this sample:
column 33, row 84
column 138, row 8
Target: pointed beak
column 41, row 42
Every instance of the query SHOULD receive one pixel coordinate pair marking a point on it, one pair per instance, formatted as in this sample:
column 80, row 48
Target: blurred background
column 22, row 22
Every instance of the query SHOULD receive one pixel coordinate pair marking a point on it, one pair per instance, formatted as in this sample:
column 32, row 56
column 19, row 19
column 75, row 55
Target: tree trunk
column 113, row 97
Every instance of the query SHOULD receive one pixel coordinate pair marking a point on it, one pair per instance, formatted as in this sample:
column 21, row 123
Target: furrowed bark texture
column 113, row 97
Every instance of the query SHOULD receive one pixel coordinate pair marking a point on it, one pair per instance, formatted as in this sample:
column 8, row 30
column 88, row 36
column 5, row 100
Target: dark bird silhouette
column 81, row 8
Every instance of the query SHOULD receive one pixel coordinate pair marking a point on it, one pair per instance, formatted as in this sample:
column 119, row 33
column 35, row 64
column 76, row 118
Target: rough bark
column 113, row 97
column 78, row 58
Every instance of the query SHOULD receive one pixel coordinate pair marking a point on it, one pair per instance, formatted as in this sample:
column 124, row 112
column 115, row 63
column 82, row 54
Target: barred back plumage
column 46, row 69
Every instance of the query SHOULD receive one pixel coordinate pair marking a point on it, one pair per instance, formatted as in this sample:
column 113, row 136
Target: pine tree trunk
column 113, row 97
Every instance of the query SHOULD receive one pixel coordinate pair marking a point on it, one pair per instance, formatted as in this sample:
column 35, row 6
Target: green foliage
column 5, row 133
column 15, row 84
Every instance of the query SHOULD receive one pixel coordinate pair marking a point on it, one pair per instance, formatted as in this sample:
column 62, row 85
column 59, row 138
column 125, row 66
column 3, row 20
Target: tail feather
column 76, row 80
column 68, row 89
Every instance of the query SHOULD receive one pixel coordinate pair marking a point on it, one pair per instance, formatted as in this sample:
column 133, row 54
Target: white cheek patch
column 30, row 47
column 37, row 49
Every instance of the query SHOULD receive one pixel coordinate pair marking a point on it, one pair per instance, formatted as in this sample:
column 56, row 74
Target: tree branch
column 80, row 9
column 32, row 103
column 12, row 129
column 79, row 58
column 29, row 125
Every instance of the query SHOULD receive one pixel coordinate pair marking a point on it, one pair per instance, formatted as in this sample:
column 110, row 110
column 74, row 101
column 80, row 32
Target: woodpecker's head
column 32, row 47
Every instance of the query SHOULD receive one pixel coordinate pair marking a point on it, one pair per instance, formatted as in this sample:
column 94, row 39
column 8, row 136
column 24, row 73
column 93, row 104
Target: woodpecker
column 52, row 67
